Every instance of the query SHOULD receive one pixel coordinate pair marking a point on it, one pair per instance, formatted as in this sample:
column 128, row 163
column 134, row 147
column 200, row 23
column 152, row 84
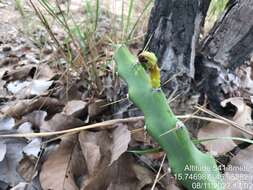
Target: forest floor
column 51, row 82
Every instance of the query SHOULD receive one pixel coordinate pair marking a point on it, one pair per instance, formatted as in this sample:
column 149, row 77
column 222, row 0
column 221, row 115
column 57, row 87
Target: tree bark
column 173, row 35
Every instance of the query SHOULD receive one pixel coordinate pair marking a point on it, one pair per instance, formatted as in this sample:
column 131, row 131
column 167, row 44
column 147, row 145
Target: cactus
column 192, row 168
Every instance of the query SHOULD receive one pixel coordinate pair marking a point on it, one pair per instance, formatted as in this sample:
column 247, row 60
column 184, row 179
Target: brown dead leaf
column 63, row 167
column 122, row 174
column 26, row 168
column 36, row 118
column 75, row 108
column 20, row 73
column 44, row 72
column 215, row 130
column 144, row 175
column 28, row 71
column 106, row 145
column 97, row 107
column 19, row 108
column 108, row 166
column 238, row 173
column 242, row 115
column 16, row 109
column 60, row 122
column 5, row 65
column 121, row 138
column 8, row 61
column 96, row 149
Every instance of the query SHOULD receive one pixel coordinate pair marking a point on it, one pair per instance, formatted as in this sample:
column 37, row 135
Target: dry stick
column 104, row 124
column 158, row 173
column 162, row 176
column 146, row 46
column 114, row 102
column 171, row 78
column 75, row 130
column 232, row 123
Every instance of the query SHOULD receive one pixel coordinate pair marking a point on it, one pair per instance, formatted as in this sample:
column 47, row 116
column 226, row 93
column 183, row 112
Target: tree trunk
column 202, row 66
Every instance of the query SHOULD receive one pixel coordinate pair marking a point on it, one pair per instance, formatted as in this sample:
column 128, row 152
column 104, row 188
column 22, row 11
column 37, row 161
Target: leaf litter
column 213, row 130
column 39, row 92
column 38, row 95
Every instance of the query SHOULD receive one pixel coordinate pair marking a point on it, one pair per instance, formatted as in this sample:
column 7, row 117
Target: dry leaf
column 144, row 175
column 36, row 118
column 7, row 123
column 27, row 88
column 44, row 72
column 7, row 64
column 39, row 87
column 104, row 147
column 2, row 150
column 33, row 148
column 60, row 122
column 96, row 107
column 19, row 108
column 25, row 128
column 108, row 167
column 26, row 168
column 121, row 138
column 215, row 130
column 242, row 115
column 75, row 108
column 92, row 152
column 60, row 170
column 122, row 174
column 16, row 109
column 96, row 149
column 21, row 73
column 10, row 162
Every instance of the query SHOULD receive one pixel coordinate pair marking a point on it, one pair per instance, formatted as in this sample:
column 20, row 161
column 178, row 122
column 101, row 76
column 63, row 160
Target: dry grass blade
column 227, row 121
column 104, row 124
column 75, row 130
column 112, row 103
column 47, row 26
column 66, row 26
column 146, row 45
column 158, row 173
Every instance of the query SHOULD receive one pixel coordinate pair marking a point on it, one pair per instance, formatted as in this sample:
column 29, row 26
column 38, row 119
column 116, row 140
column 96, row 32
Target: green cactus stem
column 192, row 168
